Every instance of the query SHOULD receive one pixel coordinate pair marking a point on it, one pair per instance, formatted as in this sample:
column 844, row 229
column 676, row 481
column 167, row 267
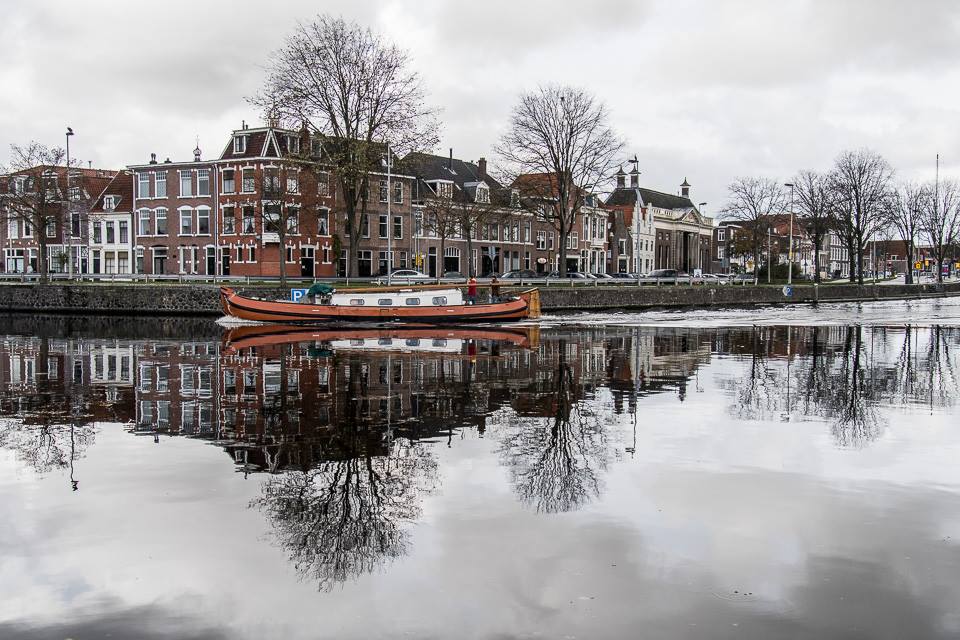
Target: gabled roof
column 121, row 188
column 664, row 200
column 622, row 198
column 431, row 167
column 265, row 142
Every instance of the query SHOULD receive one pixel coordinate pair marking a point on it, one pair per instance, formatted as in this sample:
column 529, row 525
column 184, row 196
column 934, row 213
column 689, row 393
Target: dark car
column 520, row 274
column 624, row 276
column 571, row 275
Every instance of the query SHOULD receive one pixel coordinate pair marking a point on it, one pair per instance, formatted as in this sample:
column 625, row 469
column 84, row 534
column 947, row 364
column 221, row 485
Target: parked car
column 404, row 276
column 665, row 276
column 602, row 276
column 624, row 276
column 571, row 275
column 454, row 275
column 742, row 278
column 518, row 274
column 714, row 280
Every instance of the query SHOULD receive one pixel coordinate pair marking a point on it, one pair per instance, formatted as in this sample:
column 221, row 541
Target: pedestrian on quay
column 472, row 291
column 494, row 290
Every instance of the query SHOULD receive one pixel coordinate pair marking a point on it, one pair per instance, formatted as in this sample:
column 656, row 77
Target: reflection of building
column 175, row 388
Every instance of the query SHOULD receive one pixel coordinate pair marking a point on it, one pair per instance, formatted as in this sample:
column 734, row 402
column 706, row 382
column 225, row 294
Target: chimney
column 482, row 168
column 89, row 164
column 635, row 178
column 168, row 161
column 243, row 124
column 685, row 189
column 450, row 164
column 153, row 158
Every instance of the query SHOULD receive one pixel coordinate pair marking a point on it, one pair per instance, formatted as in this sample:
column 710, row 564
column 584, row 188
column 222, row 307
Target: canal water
column 661, row 476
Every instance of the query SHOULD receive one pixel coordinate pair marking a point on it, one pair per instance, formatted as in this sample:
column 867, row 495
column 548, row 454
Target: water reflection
column 347, row 428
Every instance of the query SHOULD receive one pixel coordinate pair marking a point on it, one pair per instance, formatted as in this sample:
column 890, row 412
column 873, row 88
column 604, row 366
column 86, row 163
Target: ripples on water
column 699, row 478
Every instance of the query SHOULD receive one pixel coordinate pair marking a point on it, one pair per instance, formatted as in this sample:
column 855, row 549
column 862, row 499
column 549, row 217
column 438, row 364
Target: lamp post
column 790, row 239
column 69, row 210
column 769, row 254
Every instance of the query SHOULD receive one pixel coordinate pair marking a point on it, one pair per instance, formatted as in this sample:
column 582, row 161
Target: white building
column 110, row 229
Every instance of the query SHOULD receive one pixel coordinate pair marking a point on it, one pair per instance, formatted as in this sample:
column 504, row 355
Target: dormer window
column 109, row 203
column 444, row 189
column 483, row 194
column 514, row 198
column 293, row 144
column 240, row 144
column 316, row 147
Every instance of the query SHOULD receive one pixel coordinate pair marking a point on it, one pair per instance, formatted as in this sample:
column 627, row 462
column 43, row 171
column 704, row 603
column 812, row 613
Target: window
column 385, row 302
column 248, row 225
column 721, row 253
column 186, row 184
column 516, row 232
column 365, row 225
column 721, row 235
column 97, row 235
column 160, row 185
column 550, row 240
column 439, row 300
column 109, row 203
column 75, row 224
column 271, row 218
column 412, row 302
column 239, row 257
column 323, row 183
column 289, row 254
column 483, row 194
column 293, row 220
column 397, row 192
column 398, row 226
column 27, row 230
column 293, row 144
column 144, row 228
column 239, row 144
column 203, row 182
column 249, row 181
column 526, row 232
column 541, row 240
column 323, row 222
column 229, row 181
column 51, row 229
column 143, row 185
column 124, row 232
column 383, row 191
column 445, row 189
column 383, row 226
column 110, row 233
column 271, row 182
column 186, row 222
column 515, row 199
column 203, row 221
column 229, row 220
column 251, row 254
column 293, row 181
column 161, row 215
column 13, row 229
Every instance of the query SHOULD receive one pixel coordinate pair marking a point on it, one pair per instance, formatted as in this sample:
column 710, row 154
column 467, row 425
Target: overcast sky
column 704, row 90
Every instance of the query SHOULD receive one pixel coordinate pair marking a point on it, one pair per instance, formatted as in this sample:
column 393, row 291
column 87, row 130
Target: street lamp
column 389, row 165
column 69, row 209
column 790, row 239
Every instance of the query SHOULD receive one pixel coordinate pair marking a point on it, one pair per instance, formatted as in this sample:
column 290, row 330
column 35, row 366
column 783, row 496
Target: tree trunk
column 816, row 260
column 860, row 261
column 41, row 261
column 851, row 260
column 908, row 273
column 471, row 272
column 443, row 243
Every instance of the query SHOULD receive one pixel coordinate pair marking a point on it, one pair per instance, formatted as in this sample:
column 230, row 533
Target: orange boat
column 395, row 304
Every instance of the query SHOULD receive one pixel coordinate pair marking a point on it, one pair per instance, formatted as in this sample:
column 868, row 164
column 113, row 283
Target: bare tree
column 753, row 201
column 861, row 185
column 36, row 195
column 280, row 214
column 559, row 149
column 458, row 217
column 357, row 92
column 904, row 214
column 813, row 194
column 940, row 219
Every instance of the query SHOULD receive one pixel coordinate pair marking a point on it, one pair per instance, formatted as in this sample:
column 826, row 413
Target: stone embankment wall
column 134, row 299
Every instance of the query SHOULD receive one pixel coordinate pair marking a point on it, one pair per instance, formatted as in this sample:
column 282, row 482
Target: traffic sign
column 296, row 294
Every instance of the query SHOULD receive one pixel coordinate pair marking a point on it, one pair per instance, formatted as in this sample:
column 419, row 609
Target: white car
column 405, row 276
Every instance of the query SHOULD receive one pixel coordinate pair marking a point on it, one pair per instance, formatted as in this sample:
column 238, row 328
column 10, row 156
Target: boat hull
column 237, row 306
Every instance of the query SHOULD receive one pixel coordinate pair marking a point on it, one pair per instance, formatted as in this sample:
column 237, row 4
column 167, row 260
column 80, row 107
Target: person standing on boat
column 472, row 290
column 494, row 290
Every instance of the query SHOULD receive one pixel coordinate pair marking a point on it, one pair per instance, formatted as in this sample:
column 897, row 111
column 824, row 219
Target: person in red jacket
column 472, row 291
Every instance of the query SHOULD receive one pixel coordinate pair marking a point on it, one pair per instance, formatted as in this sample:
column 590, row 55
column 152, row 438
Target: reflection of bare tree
column 344, row 518
column 852, row 404
column 48, row 446
column 760, row 390
column 349, row 513
column 555, row 464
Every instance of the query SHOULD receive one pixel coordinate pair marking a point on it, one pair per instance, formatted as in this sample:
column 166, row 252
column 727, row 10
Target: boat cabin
column 402, row 298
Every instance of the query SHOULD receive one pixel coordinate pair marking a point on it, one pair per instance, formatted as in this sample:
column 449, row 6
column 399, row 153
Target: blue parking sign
column 296, row 294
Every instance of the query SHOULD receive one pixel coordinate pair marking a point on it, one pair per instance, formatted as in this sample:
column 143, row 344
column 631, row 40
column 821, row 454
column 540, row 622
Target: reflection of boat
column 423, row 305
column 402, row 338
